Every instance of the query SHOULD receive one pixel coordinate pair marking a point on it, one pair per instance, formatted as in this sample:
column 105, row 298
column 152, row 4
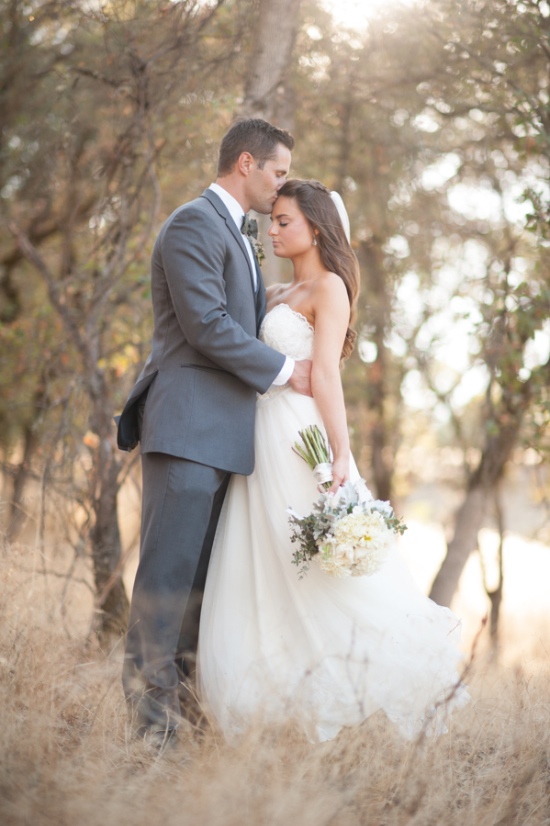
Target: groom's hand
column 300, row 380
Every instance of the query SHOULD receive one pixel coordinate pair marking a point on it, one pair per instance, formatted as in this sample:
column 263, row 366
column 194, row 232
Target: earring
column 314, row 243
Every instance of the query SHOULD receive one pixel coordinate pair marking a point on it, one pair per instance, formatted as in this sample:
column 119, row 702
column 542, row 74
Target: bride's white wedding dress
column 324, row 651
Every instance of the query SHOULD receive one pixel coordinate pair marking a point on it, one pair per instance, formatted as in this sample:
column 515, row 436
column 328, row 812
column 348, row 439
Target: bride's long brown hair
column 314, row 201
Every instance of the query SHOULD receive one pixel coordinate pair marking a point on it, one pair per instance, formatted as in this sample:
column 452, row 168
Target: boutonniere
column 258, row 248
column 249, row 227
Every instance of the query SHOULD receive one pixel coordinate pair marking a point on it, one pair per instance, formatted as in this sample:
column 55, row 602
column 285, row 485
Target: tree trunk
column 17, row 514
column 267, row 95
column 495, row 594
column 468, row 523
column 469, row 519
column 111, row 599
column 370, row 255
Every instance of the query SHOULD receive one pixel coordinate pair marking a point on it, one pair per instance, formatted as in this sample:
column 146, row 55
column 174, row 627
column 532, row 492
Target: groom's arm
column 193, row 254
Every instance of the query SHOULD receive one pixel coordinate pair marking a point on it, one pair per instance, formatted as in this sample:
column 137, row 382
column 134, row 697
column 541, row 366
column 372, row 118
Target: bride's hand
column 340, row 473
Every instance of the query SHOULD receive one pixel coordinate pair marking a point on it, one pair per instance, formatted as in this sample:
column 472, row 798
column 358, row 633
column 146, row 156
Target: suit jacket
column 206, row 364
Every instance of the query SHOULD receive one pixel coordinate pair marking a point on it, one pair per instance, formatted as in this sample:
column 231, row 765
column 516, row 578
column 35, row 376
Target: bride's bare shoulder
column 329, row 288
column 273, row 290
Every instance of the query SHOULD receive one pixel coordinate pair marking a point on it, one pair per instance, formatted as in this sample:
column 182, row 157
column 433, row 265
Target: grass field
column 66, row 759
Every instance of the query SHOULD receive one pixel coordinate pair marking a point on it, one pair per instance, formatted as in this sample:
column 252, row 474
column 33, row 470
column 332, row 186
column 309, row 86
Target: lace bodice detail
column 288, row 332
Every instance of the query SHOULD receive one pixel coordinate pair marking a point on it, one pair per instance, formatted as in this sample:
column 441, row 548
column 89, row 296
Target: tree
column 451, row 95
column 267, row 91
column 106, row 82
column 507, row 47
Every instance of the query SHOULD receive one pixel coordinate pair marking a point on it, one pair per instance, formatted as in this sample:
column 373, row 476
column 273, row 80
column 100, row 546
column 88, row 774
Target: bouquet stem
column 314, row 450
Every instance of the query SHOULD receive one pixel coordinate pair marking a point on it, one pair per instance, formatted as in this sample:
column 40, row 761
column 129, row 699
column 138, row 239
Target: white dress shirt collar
column 235, row 209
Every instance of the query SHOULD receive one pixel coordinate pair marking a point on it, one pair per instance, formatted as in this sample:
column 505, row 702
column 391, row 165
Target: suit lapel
column 222, row 211
column 260, row 296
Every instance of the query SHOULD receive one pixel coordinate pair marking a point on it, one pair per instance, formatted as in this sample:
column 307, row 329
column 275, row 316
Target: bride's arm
column 331, row 309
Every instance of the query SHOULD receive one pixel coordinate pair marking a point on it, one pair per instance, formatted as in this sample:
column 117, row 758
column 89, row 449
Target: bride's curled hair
column 314, row 201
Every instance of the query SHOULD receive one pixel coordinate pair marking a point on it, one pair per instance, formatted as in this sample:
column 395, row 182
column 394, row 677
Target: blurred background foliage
column 433, row 122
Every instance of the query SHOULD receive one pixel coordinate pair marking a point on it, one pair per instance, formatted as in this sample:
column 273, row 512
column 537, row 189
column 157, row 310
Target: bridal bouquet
column 349, row 532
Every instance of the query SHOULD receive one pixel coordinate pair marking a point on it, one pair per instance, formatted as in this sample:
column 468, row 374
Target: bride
column 320, row 650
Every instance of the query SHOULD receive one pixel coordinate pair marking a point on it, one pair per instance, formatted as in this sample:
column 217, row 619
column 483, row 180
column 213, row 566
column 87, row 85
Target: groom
column 193, row 405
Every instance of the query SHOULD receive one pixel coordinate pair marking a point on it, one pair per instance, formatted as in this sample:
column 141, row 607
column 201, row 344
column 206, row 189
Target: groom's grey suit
column 193, row 409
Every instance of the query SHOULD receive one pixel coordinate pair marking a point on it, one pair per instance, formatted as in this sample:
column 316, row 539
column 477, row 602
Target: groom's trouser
column 181, row 503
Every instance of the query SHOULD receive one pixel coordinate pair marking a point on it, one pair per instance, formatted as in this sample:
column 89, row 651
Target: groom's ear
column 245, row 162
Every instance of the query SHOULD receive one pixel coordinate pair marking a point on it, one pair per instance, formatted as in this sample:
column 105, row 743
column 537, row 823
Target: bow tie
column 249, row 227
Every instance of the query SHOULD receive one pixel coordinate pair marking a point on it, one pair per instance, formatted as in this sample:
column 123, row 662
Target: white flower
column 357, row 546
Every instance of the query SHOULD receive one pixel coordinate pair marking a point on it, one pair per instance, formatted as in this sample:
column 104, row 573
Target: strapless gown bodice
column 288, row 332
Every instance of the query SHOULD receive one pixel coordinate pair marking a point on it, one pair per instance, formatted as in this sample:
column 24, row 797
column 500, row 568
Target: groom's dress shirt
column 237, row 213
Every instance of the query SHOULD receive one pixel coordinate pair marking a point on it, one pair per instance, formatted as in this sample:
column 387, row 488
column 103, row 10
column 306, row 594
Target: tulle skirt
column 323, row 651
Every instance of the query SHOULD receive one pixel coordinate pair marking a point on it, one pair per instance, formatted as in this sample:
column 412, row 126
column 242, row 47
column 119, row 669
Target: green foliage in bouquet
column 307, row 531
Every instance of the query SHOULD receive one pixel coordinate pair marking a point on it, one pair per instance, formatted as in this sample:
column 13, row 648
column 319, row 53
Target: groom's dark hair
column 253, row 135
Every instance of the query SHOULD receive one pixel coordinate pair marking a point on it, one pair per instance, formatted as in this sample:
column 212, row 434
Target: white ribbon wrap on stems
column 323, row 473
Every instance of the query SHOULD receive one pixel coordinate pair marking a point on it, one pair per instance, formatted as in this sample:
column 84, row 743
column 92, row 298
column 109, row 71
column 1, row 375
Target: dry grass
column 65, row 758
